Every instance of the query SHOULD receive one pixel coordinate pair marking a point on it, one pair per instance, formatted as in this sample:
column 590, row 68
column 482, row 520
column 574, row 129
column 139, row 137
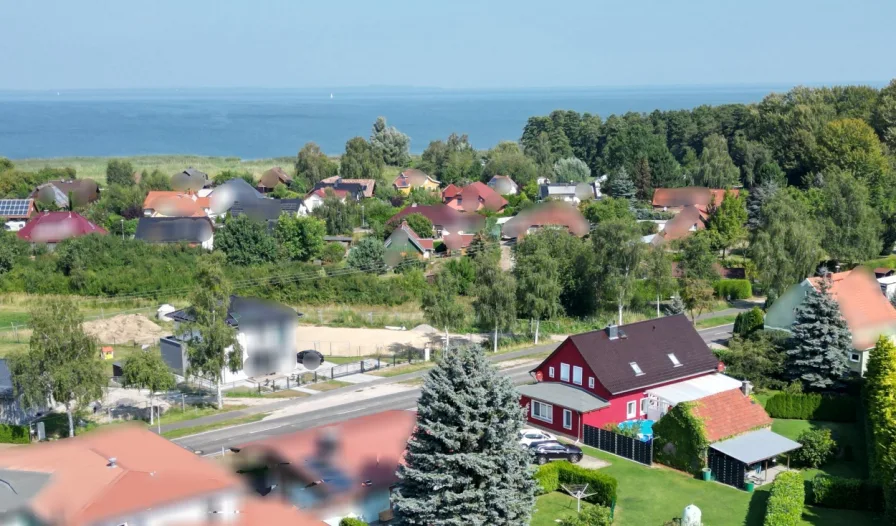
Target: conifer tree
column 464, row 465
column 820, row 342
column 621, row 186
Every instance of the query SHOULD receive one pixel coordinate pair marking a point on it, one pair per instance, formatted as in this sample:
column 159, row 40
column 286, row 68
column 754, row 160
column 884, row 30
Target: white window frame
column 644, row 403
column 550, row 372
column 564, row 372
column 576, row 375
column 675, row 361
column 548, row 408
column 567, row 415
column 591, row 382
column 631, row 409
column 855, row 357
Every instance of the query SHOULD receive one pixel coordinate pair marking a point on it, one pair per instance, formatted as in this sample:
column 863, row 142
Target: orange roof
column 474, row 197
column 107, row 349
column 85, row 488
column 680, row 226
column 862, row 304
column 690, row 195
column 729, row 413
column 176, row 204
column 450, row 191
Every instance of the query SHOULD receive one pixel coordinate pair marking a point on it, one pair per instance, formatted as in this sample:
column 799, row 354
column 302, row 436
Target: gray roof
column 563, row 395
column 755, row 446
column 17, row 488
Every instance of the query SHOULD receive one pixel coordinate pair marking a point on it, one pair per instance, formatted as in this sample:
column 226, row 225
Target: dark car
column 311, row 359
column 545, row 451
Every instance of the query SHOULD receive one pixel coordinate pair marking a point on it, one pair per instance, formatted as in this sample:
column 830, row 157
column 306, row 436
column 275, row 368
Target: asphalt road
column 720, row 334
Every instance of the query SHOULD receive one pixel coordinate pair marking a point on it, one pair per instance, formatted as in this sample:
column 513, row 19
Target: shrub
column 818, row 447
column 785, row 505
column 548, row 477
column 332, row 253
column 351, row 521
column 735, row 289
column 813, row 406
column 748, row 322
column 11, row 434
column 679, row 439
column 551, row 476
column 593, row 516
column 845, row 493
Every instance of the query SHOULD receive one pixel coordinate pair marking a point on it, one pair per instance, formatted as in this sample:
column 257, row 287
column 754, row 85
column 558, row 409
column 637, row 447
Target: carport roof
column 755, row 446
column 563, row 395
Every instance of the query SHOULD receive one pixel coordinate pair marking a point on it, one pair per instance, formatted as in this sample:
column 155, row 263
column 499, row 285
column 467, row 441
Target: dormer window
column 636, row 368
column 674, row 359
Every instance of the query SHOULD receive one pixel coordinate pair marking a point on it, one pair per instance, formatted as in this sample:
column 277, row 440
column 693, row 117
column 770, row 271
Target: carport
column 750, row 457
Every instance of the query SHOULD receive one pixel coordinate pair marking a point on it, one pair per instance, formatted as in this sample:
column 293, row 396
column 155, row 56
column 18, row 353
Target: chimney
column 746, row 387
column 112, row 462
column 613, row 331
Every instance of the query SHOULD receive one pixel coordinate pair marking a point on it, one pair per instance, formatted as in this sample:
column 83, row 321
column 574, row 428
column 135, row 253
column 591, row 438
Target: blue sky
column 64, row 44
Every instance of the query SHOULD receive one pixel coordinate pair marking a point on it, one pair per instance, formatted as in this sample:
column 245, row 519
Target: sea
column 263, row 123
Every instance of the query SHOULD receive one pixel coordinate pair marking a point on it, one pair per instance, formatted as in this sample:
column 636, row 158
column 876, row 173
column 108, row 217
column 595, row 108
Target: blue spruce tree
column 464, row 465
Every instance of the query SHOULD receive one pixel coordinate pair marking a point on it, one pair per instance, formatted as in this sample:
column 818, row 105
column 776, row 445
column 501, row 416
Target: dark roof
column 647, row 343
column 274, row 176
column 244, row 309
column 83, row 191
column 564, row 395
column 174, row 229
column 882, row 272
column 265, row 209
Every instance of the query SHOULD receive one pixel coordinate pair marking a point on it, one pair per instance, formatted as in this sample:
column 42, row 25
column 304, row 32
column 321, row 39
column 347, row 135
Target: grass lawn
column 185, row 431
column 716, row 321
column 174, row 414
column 328, row 385
column 762, row 397
column 553, row 506
column 847, row 435
column 246, row 392
column 402, row 369
column 346, row 359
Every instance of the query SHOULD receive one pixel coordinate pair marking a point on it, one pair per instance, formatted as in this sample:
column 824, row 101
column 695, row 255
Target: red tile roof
column 553, row 213
column 679, row 227
column 442, row 216
column 729, row 413
column 474, row 197
column 862, row 304
column 176, row 204
column 53, row 227
column 691, row 195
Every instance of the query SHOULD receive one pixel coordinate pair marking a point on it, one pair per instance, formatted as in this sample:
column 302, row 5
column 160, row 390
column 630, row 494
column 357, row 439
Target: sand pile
column 124, row 329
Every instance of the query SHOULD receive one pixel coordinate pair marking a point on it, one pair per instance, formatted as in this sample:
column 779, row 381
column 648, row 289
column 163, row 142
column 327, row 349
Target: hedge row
column 785, row 505
column 813, row 406
column 551, row 476
column 10, row 434
column 735, row 289
column 845, row 493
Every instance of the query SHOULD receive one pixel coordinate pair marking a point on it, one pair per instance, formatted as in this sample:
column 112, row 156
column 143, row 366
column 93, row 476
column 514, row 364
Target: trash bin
column 707, row 474
column 749, row 485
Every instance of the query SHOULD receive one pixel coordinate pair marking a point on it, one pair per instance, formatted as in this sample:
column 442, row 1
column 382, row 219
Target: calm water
column 269, row 123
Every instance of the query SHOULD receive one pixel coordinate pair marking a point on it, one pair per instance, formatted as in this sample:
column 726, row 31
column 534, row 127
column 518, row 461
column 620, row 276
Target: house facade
column 414, row 178
column 603, row 377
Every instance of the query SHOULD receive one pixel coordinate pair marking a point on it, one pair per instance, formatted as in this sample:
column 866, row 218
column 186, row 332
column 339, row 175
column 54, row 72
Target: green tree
column 697, row 258
column 213, row 345
column 729, row 221
column 851, row 227
column 282, row 191
column 816, row 355
column 245, row 241
column 571, row 170
column 880, row 377
column 495, row 306
column 538, row 286
column 453, row 161
column 12, row 251
column 758, row 358
column 62, row 363
column 362, row 161
column 575, row 258
column 608, row 209
column 746, row 323
column 332, row 253
column 119, row 172
column 336, row 214
column 300, row 238
column 850, row 145
column 440, row 305
column 147, row 370
column 313, row 166
column 618, row 253
column 643, row 179
column 463, row 465
column 155, row 180
column 884, row 115
column 368, row 255
column 697, row 296
column 657, row 268
column 591, row 516
column 717, row 170
column 226, row 175
column 420, row 224
column 507, row 159
column 126, row 201
column 621, row 186
column 390, row 143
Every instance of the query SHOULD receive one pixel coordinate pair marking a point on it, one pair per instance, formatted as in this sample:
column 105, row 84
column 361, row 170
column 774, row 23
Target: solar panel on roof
column 14, row 207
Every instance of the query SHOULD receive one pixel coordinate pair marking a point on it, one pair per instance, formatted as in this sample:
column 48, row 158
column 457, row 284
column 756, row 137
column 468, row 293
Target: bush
column 679, row 439
column 548, row 477
column 813, row 406
column 845, row 493
column 593, row 516
column 11, row 434
column 785, row 505
column 350, row 521
column 551, row 476
column 735, row 289
column 818, row 447
column 748, row 322
column 332, row 253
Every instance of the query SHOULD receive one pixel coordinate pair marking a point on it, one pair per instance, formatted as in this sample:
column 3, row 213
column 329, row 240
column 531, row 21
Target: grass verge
column 175, row 414
column 715, row 321
column 186, row 431
column 329, row 385
column 246, row 392
column 401, row 369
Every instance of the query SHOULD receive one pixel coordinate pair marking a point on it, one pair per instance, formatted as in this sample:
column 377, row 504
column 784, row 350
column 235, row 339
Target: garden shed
column 749, row 457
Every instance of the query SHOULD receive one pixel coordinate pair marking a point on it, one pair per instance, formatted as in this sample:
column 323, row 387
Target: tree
column 300, row 238
column 538, row 286
column 880, row 377
column 758, row 358
column 697, row 259
column 313, row 166
column 717, row 170
column 332, row 253
column 657, row 268
column 608, row 209
column 697, row 296
column 122, row 200
column 453, row 161
column 62, row 363
column 821, row 341
column 368, row 255
column 463, row 465
column 676, row 307
column 226, row 175
column 147, row 370
column 884, row 115
column 746, row 323
column 851, row 227
column 507, row 159
column 119, row 172
column 758, row 196
column 729, row 221
column 336, row 215
column 495, row 306
column 391, row 144
column 643, row 179
column 155, row 180
column 571, row 170
column 850, row 145
column 420, row 224
column 245, row 241
column 621, row 186
column 618, row 252
column 282, row 191
column 440, row 305
column 361, row 161
column 212, row 346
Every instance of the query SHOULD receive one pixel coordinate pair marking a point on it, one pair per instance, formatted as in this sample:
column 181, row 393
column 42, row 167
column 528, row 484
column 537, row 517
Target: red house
column 601, row 377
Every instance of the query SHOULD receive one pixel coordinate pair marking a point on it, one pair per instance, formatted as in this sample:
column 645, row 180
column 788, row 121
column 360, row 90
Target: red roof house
column 728, row 414
column 53, row 227
column 674, row 199
column 549, row 214
column 473, row 197
column 444, row 218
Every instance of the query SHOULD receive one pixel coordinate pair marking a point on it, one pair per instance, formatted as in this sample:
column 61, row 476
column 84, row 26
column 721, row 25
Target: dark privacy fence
column 621, row 445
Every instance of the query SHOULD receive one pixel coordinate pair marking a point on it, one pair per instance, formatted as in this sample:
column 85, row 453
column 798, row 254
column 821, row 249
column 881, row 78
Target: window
column 854, row 357
column 591, row 382
column 542, row 411
column 550, row 372
column 631, row 409
column 567, row 419
column 674, row 359
column 564, row 372
column 577, row 375
column 636, row 368
column 644, row 402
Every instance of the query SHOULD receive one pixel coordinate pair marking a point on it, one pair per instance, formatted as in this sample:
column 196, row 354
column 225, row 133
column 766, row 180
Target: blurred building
column 413, row 178
column 194, row 231
column 676, row 199
column 473, row 198
column 67, row 194
column 53, row 227
column 271, row 178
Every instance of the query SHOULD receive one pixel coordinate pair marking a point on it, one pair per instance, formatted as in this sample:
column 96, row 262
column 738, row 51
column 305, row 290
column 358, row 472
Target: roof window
column 636, row 368
column 674, row 359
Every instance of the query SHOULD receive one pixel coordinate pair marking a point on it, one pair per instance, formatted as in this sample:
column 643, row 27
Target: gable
column 567, row 353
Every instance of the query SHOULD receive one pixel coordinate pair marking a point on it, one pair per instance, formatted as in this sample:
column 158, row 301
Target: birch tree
column 440, row 305
column 147, row 370
column 495, row 306
column 538, row 286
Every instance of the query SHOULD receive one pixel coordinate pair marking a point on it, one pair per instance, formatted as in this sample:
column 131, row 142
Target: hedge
column 845, row 493
column 785, row 505
column 351, row 521
column 679, row 439
column 813, row 406
column 10, row 434
column 551, row 476
column 735, row 289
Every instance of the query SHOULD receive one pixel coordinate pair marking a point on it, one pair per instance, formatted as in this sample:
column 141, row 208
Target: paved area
column 593, row 462
column 306, row 390
column 359, row 378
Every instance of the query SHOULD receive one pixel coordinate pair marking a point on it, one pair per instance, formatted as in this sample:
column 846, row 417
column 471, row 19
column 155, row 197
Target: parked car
column 311, row 359
column 530, row 436
column 546, row 451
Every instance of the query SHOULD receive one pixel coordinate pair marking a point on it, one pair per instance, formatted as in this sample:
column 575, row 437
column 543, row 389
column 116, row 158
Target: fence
column 627, row 447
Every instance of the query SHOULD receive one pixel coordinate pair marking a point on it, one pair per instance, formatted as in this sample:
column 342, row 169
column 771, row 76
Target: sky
column 111, row 44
